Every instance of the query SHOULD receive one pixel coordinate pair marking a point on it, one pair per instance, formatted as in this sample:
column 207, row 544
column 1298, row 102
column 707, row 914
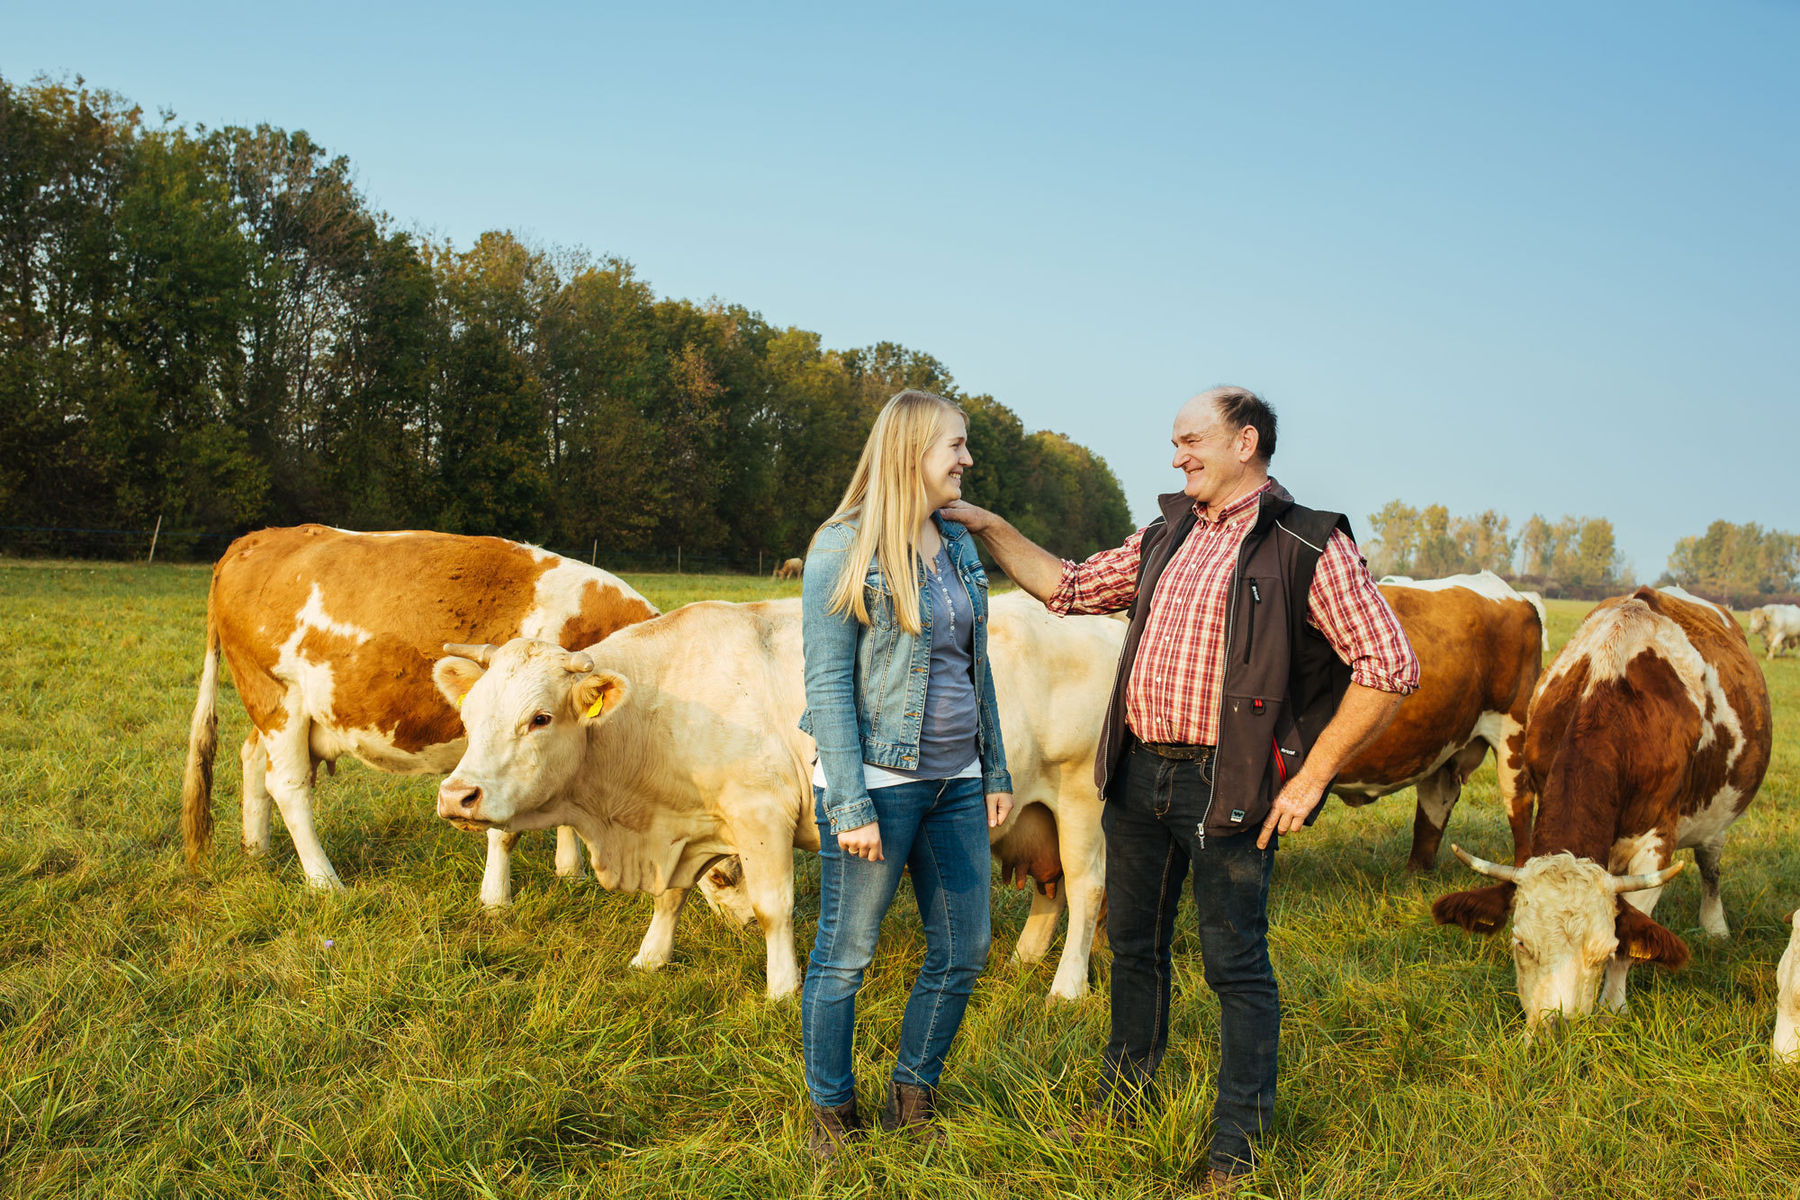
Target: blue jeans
column 1152, row 837
column 938, row 829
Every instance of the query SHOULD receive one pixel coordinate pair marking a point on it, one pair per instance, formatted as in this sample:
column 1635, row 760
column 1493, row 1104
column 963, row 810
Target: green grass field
column 231, row 1033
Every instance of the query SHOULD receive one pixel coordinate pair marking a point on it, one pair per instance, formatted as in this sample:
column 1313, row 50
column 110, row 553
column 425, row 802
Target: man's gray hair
column 1238, row 407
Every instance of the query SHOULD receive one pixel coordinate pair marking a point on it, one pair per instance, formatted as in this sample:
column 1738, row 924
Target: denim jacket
column 865, row 684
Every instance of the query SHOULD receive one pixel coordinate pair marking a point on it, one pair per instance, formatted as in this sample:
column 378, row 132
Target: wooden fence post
column 153, row 536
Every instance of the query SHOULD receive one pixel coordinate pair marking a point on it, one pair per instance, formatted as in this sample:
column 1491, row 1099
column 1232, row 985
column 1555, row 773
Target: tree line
column 1743, row 565
column 213, row 328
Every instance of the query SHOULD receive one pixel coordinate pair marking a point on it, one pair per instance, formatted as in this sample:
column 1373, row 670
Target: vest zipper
column 1224, row 664
column 1250, row 629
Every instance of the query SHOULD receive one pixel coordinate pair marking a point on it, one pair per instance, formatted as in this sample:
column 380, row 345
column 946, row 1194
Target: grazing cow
column 1480, row 646
column 1777, row 624
column 1649, row 732
column 330, row 636
column 674, row 745
column 793, row 568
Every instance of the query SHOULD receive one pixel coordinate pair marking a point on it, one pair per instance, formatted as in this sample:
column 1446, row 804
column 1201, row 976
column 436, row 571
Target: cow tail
column 203, row 741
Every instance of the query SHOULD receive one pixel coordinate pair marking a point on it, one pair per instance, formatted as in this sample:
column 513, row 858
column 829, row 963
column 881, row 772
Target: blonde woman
column 911, row 772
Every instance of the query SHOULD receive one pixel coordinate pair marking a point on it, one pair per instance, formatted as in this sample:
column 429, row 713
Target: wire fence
column 157, row 544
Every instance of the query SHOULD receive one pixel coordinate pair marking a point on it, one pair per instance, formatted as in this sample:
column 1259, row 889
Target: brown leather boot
column 910, row 1106
column 830, row 1128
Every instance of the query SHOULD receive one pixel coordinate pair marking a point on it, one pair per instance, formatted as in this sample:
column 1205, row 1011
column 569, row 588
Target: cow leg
column 1712, row 908
column 1040, row 927
column 769, row 882
column 255, row 783
column 569, row 859
column 1612, row 992
column 289, row 780
column 1438, row 794
column 496, row 881
column 1083, row 850
column 659, row 939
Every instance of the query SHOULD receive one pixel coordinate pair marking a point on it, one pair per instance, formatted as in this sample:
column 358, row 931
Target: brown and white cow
column 1649, row 732
column 331, row 636
column 674, row 745
column 1480, row 646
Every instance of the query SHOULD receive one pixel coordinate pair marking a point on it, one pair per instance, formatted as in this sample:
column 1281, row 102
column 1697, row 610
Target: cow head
column 1759, row 621
column 1568, row 921
column 527, row 708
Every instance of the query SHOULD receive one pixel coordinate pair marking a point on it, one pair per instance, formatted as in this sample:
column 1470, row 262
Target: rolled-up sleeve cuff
column 1400, row 679
column 853, row 815
column 997, row 781
column 1061, row 600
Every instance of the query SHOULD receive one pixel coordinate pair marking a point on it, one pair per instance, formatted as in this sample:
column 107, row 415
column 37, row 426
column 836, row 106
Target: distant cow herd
column 557, row 696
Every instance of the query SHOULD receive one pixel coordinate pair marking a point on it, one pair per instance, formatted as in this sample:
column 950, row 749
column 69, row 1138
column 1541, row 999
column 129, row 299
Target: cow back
column 367, row 614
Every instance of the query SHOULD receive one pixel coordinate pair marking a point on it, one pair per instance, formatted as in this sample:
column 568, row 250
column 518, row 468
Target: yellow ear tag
column 593, row 710
column 460, row 699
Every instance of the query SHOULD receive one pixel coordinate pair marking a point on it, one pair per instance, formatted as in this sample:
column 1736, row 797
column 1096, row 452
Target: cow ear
column 597, row 695
column 1478, row 910
column 455, row 676
column 1646, row 941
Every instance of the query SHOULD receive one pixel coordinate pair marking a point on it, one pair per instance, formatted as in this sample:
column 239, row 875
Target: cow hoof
column 496, row 903
column 648, row 962
column 325, row 883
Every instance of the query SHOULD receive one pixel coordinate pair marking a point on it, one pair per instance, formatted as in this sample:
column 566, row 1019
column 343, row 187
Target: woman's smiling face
column 945, row 461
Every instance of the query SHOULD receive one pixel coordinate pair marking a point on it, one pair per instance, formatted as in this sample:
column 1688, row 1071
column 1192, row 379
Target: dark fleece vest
column 1283, row 681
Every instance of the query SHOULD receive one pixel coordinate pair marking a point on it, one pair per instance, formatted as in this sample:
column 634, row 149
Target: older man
column 1260, row 657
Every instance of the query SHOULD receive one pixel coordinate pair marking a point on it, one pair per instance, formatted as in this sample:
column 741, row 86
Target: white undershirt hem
column 879, row 777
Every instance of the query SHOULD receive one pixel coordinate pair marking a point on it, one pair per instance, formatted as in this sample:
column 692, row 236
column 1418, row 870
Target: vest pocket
column 1258, row 590
column 1246, row 758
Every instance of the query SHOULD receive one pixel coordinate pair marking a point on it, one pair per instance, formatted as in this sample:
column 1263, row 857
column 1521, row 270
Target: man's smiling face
column 1214, row 457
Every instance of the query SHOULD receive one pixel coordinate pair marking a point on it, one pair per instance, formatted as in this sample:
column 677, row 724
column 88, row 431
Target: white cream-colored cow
column 331, row 635
column 1787, row 1005
column 1777, row 624
column 673, row 746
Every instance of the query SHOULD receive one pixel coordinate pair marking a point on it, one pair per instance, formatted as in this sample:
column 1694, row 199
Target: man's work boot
column 830, row 1128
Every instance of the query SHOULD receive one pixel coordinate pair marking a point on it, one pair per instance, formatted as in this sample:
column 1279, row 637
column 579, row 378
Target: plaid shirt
column 1173, row 694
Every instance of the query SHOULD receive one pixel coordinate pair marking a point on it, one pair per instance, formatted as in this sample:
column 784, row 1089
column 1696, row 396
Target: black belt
column 1179, row 751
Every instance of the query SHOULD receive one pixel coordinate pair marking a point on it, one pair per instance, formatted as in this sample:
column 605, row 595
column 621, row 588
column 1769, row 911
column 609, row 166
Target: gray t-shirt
column 947, row 733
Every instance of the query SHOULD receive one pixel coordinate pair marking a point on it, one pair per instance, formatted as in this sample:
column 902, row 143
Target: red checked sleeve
column 1105, row 583
column 1347, row 607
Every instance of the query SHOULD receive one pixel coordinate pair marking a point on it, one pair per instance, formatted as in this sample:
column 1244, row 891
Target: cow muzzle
column 460, row 804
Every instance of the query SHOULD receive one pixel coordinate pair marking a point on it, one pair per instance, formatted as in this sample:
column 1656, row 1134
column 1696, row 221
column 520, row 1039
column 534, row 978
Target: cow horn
column 481, row 654
column 1482, row 866
column 579, row 663
column 1649, row 879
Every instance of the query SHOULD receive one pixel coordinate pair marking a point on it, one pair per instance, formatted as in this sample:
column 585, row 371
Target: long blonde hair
column 887, row 501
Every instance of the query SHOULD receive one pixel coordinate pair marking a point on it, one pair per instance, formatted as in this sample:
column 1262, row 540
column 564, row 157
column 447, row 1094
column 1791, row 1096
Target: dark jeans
column 1152, row 828
column 937, row 828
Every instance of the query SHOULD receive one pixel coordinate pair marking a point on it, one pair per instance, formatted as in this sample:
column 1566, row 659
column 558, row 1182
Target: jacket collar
column 1273, row 497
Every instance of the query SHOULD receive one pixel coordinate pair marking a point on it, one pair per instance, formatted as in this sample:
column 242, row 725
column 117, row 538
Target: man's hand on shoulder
column 975, row 520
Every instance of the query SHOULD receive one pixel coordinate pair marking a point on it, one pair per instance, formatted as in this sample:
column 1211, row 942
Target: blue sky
column 1533, row 257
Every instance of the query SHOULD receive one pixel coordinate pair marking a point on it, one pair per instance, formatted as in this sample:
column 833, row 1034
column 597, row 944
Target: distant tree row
column 1749, row 564
column 1574, row 554
column 212, row 326
column 1741, row 565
